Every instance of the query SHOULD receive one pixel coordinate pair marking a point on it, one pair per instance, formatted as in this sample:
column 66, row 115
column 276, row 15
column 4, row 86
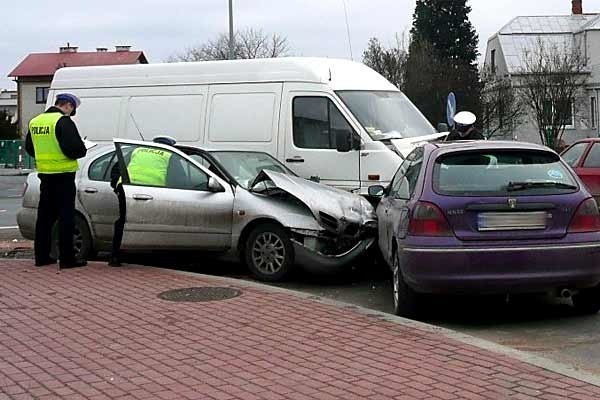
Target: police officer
column 54, row 142
column 464, row 128
column 147, row 167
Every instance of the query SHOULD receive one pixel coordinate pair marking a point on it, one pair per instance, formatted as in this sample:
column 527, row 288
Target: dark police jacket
column 473, row 135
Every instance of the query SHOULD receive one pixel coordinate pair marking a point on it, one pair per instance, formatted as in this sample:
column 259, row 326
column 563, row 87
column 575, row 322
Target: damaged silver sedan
column 244, row 203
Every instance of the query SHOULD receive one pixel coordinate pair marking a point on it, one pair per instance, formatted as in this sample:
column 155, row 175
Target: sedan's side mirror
column 214, row 186
column 343, row 141
column 376, row 191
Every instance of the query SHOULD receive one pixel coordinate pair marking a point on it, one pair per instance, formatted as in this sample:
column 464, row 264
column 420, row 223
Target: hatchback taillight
column 586, row 218
column 428, row 220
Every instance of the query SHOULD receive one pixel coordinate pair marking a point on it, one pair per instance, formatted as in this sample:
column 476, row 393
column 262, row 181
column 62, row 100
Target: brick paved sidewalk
column 100, row 332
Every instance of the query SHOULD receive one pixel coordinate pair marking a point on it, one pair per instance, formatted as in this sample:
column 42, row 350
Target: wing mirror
column 442, row 127
column 343, row 141
column 214, row 186
column 376, row 191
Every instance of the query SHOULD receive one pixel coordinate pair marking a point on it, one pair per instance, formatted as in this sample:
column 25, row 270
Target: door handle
column 142, row 197
column 294, row 160
column 90, row 190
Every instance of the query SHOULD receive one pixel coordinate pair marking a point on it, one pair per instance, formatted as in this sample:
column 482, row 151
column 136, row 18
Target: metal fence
column 13, row 155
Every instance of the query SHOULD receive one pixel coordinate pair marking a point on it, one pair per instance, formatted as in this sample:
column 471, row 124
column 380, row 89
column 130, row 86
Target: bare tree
column 503, row 110
column 248, row 43
column 551, row 83
column 389, row 62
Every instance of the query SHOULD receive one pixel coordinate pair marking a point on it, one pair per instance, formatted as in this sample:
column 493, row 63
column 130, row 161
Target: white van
column 334, row 121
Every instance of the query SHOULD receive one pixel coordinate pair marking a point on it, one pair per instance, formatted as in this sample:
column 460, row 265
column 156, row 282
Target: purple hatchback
column 489, row 218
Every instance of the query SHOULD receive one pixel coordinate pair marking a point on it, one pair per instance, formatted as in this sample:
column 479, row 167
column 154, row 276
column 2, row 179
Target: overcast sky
column 161, row 28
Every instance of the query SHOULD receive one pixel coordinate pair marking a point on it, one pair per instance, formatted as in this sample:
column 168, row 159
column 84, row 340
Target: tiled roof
column 46, row 64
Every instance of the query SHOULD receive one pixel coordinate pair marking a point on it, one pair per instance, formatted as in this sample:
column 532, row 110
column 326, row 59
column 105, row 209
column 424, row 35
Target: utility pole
column 348, row 30
column 231, row 49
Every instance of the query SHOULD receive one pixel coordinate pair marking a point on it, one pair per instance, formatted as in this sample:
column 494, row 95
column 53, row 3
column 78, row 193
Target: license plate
column 512, row 221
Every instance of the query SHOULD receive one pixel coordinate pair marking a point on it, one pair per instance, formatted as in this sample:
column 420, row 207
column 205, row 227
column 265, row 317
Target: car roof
column 467, row 145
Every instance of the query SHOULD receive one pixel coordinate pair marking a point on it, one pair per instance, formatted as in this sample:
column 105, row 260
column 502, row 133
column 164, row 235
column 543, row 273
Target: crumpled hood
column 344, row 206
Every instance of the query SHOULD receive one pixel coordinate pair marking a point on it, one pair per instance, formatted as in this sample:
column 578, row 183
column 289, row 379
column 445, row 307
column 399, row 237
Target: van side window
column 316, row 122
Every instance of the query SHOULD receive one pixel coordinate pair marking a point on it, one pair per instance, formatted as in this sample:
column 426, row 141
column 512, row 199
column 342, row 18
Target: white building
column 8, row 103
column 508, row 49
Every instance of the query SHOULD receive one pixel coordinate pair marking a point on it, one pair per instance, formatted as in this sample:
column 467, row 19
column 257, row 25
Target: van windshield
column 386, row 114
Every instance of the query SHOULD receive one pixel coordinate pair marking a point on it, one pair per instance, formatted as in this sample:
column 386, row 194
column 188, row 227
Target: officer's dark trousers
column 57, row 202
column 119, row 223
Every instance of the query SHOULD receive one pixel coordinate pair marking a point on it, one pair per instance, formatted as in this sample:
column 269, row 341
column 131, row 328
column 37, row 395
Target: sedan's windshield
column 245, row 166
column 386, row 114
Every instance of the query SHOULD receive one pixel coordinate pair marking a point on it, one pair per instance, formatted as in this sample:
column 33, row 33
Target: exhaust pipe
column 565, row 293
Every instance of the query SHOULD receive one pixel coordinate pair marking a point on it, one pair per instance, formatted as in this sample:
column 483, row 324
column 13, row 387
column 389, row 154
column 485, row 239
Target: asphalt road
column 11, row 191
column 543, row 326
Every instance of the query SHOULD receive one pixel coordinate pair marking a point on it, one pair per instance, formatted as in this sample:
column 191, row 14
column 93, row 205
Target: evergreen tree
column 442, row 58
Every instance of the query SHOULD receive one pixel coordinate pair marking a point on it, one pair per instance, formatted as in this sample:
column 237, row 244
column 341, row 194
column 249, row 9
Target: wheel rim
column 268, row 253
column 396, row 278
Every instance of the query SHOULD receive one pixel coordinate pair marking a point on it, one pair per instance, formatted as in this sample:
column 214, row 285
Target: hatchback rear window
column 501, row 173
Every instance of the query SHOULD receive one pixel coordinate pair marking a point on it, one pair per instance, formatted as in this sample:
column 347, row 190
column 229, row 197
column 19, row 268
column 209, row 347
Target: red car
column 584, row 157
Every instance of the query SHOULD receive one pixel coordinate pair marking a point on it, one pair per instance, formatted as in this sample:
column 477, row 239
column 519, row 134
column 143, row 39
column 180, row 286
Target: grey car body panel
column 249, row 207
column 340, row 204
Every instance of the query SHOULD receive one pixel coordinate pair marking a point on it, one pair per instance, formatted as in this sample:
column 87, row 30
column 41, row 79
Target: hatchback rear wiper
column 515, row 186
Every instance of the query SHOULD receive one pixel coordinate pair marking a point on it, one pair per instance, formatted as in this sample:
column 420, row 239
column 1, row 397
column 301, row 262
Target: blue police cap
column 71, row 98
column 168, row 140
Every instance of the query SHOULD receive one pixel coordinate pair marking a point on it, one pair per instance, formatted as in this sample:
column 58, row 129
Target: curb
column 14, row 172
column 538, row 361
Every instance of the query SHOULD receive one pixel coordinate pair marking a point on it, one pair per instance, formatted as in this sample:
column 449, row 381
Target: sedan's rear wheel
column 82, row 240
column 587, row 301
column 407, row 302
column 269, row 253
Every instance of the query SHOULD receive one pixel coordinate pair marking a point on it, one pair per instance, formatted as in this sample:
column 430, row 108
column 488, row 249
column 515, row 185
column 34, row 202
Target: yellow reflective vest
column 149, row 166
column 49, row 157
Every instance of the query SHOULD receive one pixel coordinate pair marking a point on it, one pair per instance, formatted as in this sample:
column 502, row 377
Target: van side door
column 312, row 121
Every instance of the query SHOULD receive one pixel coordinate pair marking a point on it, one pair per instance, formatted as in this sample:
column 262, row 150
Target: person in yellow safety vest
column 147, row 167
column 54, row 142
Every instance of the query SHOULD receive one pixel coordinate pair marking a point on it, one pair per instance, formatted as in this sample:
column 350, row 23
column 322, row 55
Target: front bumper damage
column 320, row 251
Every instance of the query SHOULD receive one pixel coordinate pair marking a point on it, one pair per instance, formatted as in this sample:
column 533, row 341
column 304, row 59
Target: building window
column 593, row 111
column 567, row 108
column 41, row 95
column 493, row 61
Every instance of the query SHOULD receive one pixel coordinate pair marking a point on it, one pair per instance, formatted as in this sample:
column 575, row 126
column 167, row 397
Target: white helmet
column 464, row 121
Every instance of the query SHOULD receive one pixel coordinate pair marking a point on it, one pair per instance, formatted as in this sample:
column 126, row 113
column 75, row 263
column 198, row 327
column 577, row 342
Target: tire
column 82, row 240
column 407, row 302
column 269, row 253
column 587, row 301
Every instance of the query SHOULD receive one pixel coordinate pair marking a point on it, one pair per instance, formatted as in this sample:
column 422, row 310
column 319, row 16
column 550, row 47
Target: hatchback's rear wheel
column 587, row 301
column 407, row 302
column 269, row 253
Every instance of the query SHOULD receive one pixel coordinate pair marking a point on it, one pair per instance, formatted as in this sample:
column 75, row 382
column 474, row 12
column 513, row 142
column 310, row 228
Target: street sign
column 451, row 109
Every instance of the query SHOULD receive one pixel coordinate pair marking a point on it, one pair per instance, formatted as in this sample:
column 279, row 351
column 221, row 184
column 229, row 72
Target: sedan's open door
column 172, row 201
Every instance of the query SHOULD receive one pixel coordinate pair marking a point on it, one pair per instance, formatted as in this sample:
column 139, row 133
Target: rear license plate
column 512, row 221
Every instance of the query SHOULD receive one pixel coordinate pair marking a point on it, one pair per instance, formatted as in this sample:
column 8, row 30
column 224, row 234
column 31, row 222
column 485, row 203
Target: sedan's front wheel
column 269, row 253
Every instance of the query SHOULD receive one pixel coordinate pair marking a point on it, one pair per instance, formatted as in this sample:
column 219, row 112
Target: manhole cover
column 197, row 294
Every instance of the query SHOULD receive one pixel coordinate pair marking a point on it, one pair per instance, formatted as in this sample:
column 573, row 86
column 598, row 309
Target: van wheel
column 587, row 301
column 407, row 302
column 269, row 253
column 82, row 240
